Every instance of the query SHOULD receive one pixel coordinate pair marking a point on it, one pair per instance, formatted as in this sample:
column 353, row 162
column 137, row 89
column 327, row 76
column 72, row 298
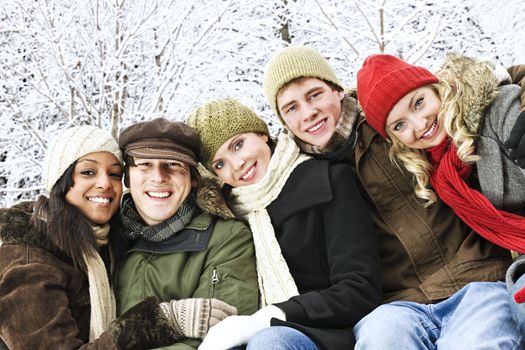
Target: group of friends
column 381, row 217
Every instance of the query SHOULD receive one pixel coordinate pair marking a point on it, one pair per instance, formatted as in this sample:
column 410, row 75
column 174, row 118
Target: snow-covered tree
column 114, row 62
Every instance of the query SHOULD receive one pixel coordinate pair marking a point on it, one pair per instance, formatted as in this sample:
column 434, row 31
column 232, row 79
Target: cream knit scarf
column 276, row 283
column 103, row 305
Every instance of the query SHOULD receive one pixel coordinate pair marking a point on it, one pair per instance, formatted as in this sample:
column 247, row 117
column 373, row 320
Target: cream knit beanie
column 72, row 144
column 291, row 63
column 219, row 120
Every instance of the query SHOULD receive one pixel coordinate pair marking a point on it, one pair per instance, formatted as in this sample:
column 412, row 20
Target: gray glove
column 193, row 317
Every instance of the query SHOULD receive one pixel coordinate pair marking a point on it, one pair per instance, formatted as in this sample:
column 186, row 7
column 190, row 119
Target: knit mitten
column 238, row 330
column 193, row 317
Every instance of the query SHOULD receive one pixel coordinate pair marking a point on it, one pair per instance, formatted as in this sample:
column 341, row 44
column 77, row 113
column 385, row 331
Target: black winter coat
column 326, row 235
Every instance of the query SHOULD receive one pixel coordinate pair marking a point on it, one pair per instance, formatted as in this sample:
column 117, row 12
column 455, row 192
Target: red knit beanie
column 382, row 82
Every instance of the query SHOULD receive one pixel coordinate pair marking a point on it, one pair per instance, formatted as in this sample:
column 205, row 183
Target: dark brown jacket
column 44, row 300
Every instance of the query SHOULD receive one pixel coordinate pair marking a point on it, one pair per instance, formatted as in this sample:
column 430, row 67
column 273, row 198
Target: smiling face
column 311, row 109
column 414, row 119
column 97, row 186
column 243, row 159
column 159, row 187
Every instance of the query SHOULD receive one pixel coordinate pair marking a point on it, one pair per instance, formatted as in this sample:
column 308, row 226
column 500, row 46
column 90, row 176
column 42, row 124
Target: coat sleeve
column 351, row 249
column 35, row 310
column 229, row 273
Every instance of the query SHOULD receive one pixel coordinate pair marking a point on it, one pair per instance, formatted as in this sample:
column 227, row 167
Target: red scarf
column 448, row 180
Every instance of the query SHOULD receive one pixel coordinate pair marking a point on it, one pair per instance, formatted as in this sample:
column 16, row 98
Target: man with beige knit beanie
column 187, row 249
column 429, row 258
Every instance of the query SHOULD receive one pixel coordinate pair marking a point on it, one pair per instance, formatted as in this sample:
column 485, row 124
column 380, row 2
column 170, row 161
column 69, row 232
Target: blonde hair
column 451, row 112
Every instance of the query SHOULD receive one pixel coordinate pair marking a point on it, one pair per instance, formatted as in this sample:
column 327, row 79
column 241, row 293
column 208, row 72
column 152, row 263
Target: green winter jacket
column 212, row 257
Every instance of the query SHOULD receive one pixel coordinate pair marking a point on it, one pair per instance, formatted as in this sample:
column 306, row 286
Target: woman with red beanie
column 448, row 130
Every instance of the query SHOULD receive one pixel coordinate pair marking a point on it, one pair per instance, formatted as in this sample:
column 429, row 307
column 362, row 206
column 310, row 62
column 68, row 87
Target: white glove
column 238, row 330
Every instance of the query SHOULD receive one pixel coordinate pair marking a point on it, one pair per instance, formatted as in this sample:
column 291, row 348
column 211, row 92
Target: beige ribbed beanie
column 219, row 120
column 291, row 63
column 72, row 144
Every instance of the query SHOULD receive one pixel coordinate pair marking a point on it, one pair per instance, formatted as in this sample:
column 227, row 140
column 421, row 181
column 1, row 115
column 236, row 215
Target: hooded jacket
column 427, row 254
column 490, row 112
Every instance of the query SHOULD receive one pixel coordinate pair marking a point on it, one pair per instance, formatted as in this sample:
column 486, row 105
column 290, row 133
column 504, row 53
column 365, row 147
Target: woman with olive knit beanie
column 314, row 241
column 58, row 255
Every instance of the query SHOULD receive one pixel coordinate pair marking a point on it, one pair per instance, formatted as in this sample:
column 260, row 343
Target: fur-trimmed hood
column 478, row 85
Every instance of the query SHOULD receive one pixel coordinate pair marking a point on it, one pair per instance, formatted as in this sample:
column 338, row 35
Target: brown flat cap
column 161, row 139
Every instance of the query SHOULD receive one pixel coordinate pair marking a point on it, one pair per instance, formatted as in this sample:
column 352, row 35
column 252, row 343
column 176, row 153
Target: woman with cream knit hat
column 315, row 246
column 59, row 252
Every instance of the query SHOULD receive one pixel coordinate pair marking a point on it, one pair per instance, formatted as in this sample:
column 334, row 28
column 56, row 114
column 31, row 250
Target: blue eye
column 398, row 126
column 292, row 108
column 419, row 102
column 315, row 95
column 238, row 145
column 219, row 165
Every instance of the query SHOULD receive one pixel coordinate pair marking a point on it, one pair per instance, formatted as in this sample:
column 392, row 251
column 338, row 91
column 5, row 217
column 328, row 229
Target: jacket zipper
column 214, row 280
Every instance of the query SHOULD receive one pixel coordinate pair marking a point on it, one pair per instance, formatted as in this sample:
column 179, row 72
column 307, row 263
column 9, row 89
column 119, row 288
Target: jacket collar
column 193, row 238
column 307, row 186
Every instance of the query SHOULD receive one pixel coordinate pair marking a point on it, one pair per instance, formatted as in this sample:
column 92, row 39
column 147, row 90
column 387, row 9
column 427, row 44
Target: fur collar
column 15, row 227
column 477, row 82
column 210, row 197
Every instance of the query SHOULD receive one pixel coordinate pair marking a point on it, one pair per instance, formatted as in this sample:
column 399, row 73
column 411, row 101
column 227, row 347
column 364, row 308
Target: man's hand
column 516, row 141
column 193, row 317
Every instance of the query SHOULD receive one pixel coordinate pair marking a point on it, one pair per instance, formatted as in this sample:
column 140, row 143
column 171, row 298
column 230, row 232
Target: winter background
column 111, row 63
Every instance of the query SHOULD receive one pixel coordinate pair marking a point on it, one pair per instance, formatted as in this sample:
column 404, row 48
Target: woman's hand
column 238, row 330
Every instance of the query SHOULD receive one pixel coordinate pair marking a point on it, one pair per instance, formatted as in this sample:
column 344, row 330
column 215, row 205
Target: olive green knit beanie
column 291, row 63
column 219, row 120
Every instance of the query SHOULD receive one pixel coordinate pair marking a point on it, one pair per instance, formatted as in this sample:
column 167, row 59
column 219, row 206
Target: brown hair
column 63, row 223
column 129, row 161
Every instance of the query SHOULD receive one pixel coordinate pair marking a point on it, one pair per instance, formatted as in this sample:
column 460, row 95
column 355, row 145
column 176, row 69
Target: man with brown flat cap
column 187, row 248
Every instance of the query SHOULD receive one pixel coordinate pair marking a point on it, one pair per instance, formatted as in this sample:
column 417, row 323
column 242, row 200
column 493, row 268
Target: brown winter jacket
column 44, row 300
column 427, row 254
